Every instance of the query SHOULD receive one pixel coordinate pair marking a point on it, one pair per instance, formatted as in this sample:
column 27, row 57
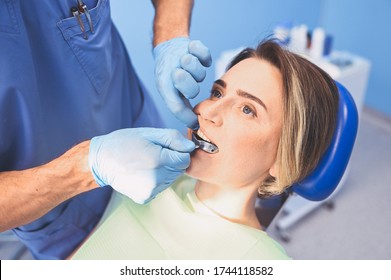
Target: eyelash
column 215, row 93
column 253, row 112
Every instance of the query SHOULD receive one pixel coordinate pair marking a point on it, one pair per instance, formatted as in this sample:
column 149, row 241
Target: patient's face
column 243, row 117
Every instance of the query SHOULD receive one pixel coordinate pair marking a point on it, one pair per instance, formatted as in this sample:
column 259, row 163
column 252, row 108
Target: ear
column 274, row 169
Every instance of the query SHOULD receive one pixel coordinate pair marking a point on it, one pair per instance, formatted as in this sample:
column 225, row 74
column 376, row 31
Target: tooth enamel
column 202, row 135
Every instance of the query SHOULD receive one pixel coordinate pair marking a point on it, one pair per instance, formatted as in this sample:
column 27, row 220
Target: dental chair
column 327, row 176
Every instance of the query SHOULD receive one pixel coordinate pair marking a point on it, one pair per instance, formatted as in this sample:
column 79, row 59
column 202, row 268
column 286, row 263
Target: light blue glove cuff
column 94, row 150
column 161, row 47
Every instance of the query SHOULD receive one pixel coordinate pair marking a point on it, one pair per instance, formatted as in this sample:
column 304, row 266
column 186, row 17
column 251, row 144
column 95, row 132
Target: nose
column 210, row 111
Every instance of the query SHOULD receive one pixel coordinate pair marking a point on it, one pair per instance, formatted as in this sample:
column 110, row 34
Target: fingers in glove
column 175, row 160
column 201, row 52
column 191, row 64
column 173, row 140
column 185, row 83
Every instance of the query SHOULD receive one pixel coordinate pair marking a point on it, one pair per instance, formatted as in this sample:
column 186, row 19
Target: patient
column 272, row 116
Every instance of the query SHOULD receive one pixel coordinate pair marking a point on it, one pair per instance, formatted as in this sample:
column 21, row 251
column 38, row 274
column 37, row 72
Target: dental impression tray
column 203, row 144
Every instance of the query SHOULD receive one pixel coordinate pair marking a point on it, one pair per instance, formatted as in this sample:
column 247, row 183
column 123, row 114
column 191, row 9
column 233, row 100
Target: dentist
column 74, row 116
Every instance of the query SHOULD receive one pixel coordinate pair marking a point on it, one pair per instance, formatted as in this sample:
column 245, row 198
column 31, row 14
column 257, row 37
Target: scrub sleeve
column 56, row 90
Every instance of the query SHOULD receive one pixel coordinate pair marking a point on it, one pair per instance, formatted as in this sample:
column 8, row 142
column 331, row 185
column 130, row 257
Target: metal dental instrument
column 76, row 14
column 204, row 145
column 84, row 10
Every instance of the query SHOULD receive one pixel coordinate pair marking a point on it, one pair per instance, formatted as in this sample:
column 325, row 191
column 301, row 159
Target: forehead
column 256, row 76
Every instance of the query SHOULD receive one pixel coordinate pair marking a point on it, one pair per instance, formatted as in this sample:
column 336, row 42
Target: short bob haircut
column 310, row 105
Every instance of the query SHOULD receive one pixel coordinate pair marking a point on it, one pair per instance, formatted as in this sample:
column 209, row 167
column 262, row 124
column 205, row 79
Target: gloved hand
column 180, row 65
column 139, row 162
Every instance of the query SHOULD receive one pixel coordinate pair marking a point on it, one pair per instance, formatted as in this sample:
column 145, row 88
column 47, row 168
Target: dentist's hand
column 180, row 66
column 139, row 162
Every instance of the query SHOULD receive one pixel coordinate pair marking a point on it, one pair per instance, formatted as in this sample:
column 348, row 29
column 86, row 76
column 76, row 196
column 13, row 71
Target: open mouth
column 203, row 136
column 202, row 142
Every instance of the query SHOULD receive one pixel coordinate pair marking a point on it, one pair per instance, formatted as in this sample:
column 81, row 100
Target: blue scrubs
column 56, row 90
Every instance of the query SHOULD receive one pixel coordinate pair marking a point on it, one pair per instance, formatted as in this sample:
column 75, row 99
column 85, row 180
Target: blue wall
column 357, row 26
column 364, row 28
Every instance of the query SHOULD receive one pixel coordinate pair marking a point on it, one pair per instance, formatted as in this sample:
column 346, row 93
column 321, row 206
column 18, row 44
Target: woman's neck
column 233, row 204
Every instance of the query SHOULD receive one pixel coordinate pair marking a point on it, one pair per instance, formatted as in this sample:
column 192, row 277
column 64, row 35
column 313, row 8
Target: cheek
column 250, row 158
column 236, row 163
column 245, row 155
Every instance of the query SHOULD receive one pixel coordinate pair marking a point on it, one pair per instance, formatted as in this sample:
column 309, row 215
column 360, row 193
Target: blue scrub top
column 56, row 90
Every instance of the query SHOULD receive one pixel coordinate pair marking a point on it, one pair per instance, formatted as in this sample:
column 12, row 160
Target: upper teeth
column 202, row 135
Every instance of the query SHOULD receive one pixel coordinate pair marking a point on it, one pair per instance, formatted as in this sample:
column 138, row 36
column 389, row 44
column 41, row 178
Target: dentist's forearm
column 172, row 19
column 27, row 195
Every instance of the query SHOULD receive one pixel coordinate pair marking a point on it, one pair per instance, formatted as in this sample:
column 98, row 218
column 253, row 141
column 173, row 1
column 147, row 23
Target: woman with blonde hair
column 272, row 116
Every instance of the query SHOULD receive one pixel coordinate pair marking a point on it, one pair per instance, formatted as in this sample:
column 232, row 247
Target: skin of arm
column 28, row 194
column 172, row 19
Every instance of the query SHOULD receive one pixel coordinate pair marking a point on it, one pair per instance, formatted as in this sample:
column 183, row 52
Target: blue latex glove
column 139, row 162
column 180, row 66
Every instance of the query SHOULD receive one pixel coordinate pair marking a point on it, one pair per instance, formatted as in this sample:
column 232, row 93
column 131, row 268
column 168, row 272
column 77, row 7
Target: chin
column 192, row 169
column 197, row 165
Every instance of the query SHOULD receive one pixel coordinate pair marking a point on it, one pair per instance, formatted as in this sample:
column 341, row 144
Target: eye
column 248, row 111
column 215, row 94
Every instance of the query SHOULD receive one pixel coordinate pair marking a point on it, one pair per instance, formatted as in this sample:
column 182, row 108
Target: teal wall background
column 360, row 27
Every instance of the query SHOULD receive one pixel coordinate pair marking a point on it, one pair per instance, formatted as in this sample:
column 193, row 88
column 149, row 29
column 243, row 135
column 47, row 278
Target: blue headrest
column 325, row 178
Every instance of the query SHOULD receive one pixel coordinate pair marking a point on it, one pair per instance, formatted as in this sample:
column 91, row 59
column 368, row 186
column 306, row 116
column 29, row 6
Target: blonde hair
column 310, row 105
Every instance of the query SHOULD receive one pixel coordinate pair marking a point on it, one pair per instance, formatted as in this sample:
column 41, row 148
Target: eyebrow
column 242, row 93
